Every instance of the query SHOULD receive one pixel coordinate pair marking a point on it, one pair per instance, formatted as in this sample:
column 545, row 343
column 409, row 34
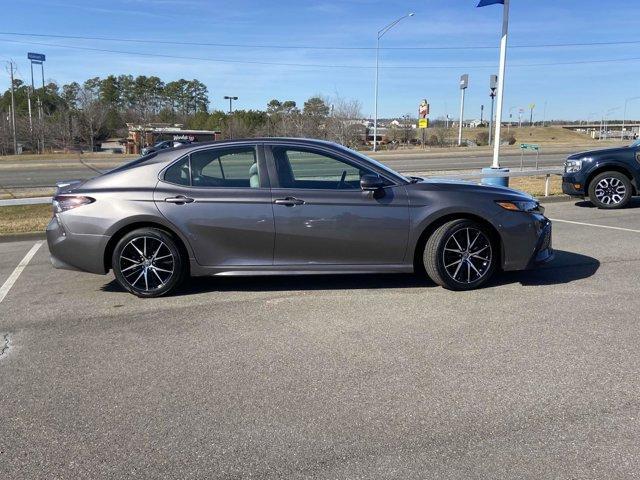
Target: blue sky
column 570, row 91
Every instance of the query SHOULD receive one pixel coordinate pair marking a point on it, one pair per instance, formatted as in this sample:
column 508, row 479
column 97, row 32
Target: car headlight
column 521, row 206
column 572, row 166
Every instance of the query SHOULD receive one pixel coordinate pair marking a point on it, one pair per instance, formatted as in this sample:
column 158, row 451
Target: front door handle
column 179, row 200
column 289, row 201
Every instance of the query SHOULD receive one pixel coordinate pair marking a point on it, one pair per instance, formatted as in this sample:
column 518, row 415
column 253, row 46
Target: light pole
column 381, row 33
column 231, row 99
column 603, row 122
column 624, row 115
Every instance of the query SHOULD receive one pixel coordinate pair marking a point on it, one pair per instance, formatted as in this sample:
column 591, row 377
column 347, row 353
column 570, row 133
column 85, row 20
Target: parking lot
column 536, row 376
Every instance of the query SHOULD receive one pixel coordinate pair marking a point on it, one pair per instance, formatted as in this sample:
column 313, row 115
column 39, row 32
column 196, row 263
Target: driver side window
column 302, row 168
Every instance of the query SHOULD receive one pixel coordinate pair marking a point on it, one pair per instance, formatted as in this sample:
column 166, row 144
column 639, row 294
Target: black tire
column 148, row 263
column 438, row 257
column 609, row 190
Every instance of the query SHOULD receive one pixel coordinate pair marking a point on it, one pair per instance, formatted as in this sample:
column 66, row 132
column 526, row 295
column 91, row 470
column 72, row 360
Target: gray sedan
column 288, row 206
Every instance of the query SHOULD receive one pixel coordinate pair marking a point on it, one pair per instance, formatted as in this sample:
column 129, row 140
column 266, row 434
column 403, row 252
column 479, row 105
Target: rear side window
column 229, row 167
column 178, row 173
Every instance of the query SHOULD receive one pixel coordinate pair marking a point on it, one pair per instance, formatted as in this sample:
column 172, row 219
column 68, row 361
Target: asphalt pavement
column 39, row 173
column 359, row 377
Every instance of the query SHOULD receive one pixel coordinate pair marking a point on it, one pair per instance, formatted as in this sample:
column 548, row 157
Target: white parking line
column 594, row 225
column 6, row 286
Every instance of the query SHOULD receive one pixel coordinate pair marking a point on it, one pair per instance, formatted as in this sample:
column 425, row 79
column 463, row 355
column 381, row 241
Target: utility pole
column 13, row 109
column 464, row 83
column 481, row 114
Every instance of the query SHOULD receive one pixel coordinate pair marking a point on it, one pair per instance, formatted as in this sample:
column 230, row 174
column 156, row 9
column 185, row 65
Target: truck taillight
column 62, row 203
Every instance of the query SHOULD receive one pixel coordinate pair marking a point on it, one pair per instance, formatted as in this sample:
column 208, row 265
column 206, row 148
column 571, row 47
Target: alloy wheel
column 610, row 191
column 467, row 255
column 146, row 263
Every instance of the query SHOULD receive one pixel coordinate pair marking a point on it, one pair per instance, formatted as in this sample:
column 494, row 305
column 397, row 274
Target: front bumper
column 573, row 184
column 543, row 252
column 71, row 251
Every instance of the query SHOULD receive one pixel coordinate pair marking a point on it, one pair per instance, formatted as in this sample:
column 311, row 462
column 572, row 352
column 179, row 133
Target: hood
column 601, row 152
column 471, row 186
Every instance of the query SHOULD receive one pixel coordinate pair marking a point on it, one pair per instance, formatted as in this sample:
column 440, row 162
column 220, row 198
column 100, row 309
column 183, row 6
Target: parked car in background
column 288, row 206
column 609, row 177
column 163, row 145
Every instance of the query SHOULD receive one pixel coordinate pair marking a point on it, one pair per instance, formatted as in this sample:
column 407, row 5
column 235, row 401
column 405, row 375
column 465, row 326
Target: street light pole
column 231, row 99
column 381, row 33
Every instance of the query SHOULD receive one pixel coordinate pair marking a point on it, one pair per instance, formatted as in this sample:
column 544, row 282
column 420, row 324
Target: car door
column 219, row 198
column 323, row 217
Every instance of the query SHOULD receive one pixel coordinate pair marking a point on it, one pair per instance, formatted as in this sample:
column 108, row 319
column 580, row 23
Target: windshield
column 377, row 164
column 636, row 143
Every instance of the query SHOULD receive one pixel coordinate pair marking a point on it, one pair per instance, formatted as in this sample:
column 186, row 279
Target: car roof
column 241, row 141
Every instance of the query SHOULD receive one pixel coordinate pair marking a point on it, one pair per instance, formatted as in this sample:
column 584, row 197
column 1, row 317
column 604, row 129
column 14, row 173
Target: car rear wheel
column 147, row 262
column 610, row 190
column 460, row 255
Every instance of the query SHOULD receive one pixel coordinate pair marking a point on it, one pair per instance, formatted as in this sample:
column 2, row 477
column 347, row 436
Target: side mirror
column 371, row 183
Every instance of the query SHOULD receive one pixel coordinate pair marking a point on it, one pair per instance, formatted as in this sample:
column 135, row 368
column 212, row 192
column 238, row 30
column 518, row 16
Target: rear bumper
column 71, row 251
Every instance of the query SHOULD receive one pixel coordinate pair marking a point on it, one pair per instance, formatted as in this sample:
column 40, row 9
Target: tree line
column 83, row 114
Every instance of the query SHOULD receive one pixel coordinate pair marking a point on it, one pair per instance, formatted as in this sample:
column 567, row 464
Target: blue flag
column 484, row 3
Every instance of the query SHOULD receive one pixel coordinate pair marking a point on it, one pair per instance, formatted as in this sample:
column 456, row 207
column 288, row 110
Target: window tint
column 301, row 168
column 233, row 167
column 178, row 173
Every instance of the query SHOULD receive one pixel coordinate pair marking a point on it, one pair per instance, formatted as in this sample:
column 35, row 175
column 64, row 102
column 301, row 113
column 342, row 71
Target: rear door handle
column 289, row 201
column 179, row 200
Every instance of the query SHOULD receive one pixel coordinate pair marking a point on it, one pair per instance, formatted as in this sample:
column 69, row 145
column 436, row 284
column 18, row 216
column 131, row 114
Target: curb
column 20, row 237
column 557, row 199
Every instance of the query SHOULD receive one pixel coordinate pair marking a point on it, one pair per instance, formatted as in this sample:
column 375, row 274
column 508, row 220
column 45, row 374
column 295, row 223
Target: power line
column 316, row 47
column 322, row 65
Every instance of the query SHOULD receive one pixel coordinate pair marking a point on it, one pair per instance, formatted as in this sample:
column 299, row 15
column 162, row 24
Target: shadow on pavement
column 634, row 203
column 565, row 268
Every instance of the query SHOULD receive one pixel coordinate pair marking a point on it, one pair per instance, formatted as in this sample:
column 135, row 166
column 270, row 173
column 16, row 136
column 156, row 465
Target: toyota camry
column 288, row 206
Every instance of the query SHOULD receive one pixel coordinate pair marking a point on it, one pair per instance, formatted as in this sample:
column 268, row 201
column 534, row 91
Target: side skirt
column 259, row 270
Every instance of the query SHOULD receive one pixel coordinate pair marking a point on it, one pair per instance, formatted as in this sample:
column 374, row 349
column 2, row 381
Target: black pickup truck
column 608, row 177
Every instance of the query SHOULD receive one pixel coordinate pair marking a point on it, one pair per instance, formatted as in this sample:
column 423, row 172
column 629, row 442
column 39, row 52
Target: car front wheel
column 460, row 255
column 610, row 190
column 147, row 262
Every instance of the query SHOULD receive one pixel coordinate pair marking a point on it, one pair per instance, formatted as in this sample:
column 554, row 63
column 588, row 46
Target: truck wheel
column 610, row 190
column 460, row 255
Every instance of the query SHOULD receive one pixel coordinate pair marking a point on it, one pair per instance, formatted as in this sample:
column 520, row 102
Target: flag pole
column 500, row 94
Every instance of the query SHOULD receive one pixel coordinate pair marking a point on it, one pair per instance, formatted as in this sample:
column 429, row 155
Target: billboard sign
column 40, row 57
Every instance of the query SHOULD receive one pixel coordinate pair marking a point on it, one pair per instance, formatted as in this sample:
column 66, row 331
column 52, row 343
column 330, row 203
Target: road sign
column 529, row 146
column 464, row 81
column 40, row 57
column 423, row 123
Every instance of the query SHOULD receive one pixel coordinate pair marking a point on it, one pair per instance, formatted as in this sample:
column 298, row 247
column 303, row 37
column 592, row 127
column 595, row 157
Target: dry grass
column 535, row 185
column 24, row 218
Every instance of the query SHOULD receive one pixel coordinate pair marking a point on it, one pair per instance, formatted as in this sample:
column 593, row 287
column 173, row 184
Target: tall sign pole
column 464, row 83
column 493, row 84
column 500, row 89
column 38, row 59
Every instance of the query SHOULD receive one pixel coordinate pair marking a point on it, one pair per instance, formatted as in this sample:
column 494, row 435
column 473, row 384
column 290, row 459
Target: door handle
column 179, row 200
column 289, row 201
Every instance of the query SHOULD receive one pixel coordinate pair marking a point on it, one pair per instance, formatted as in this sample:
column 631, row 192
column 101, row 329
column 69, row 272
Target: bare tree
column 93, row 113
column 344, row 124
